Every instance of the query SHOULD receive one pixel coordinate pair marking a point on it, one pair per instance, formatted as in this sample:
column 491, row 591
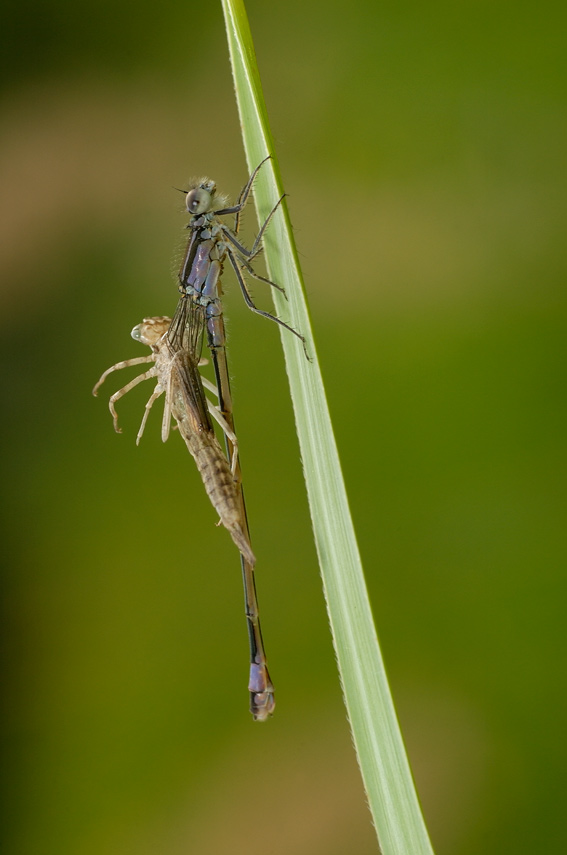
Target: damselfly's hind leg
column 257, row 245
column 249, row 269
column 252, row 305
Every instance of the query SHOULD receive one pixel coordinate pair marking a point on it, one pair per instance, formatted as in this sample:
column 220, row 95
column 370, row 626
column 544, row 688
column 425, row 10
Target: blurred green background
column 423, row 151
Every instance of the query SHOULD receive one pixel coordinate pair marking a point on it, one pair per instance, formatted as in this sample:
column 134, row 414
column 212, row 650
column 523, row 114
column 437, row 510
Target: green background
column 423, row 151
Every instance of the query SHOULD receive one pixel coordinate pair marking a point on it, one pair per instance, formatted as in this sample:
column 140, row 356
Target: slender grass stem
column 376, row 734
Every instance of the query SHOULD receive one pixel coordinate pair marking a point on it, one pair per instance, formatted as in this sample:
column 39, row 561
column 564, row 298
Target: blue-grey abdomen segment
column 200, row 267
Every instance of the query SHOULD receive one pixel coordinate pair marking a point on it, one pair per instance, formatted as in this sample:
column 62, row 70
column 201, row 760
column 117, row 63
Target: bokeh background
column 423, row 150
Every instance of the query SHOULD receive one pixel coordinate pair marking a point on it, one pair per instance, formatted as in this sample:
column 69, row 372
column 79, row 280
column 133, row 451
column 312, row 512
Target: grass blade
column 377, row 738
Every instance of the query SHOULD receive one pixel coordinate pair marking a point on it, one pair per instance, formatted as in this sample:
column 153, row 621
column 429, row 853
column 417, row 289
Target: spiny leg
column 254, row 308
column 210, row 386
column 228, row 432
column 136, row 360
column 243, row 198
column 245, row 192
column 256, row 246
column 125, row 389
column 166, row 421
column 220, row 419
column 248, row 267
column 151, row 401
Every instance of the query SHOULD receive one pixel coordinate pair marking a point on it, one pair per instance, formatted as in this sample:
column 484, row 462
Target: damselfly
column 177, row 374
column 211, row 242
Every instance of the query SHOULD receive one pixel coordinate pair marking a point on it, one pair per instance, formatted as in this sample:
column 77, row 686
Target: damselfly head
column 200, row 198
column 151, row 330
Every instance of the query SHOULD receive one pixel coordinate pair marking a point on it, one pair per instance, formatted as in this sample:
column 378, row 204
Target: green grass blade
column 380, row 750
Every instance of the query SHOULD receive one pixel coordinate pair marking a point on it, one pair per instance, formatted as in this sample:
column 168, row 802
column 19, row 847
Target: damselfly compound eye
column 198, row 201
column 151, row 330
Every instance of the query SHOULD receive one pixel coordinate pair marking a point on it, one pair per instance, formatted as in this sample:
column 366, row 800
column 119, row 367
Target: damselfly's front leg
column 243, row 198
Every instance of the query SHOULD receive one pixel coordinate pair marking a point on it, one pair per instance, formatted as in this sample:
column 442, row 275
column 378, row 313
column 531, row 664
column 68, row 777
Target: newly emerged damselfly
column 211, row 242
